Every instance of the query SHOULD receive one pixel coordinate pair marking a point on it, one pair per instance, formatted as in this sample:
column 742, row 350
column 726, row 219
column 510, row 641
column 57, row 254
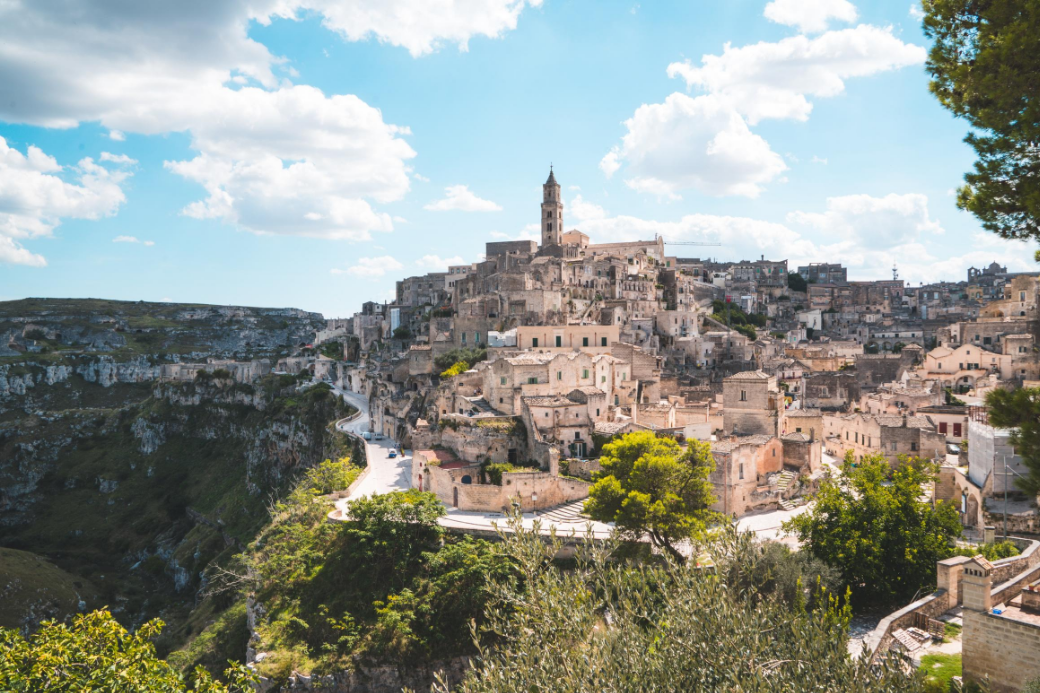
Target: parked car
column 393, row 454
column 367, row 435
column 379, row 436
column 953, row 449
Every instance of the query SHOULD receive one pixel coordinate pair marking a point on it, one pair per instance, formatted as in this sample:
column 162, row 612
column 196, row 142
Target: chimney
column 977, row 585
column 904, row 420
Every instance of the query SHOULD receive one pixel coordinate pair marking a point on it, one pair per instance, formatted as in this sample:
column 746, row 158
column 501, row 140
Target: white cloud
column 697, row 143
column 583, row 210
column 435, row 263
column 774, row 80
column 530, row 232
column 819, row 160
column 420, row 26
column 421, row 179
column 705, row 142
column 810, row 16
column 461, row 198
column 610, row 163
column 116, row 136
column 132, row 239
column 269, row 153
column 915, row 11
column 872, row 222
column 371, row 267
column 35, row 198
column 117, row 158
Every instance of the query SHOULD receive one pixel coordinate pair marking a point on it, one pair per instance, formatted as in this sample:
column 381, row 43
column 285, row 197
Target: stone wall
column 1002, row 649
column 522, row 487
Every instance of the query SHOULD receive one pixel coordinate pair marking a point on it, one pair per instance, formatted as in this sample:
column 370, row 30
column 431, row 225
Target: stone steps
column 568, row 512
column 787, row 505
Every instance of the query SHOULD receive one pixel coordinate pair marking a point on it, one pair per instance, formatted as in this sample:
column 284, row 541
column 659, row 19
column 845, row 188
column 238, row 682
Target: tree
column 882, row 535
column 402, row 332
column 651, row 486
column 1020, row 411
column 984, row 63
column 796, row 282
column 614, row 626
column 95, row 653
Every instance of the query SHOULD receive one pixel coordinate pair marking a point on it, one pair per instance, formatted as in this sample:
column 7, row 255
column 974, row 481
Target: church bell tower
column 552, row 212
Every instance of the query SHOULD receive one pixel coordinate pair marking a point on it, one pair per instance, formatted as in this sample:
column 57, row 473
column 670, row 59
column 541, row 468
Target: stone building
column 1001, row 648
column 892, row 436
column 752, row 405
column 742, row 465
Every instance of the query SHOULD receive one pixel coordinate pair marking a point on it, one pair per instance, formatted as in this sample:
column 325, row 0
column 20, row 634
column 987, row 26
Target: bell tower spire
column 552, row 211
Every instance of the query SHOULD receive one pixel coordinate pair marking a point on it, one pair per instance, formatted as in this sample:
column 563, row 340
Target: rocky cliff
column 134, row 485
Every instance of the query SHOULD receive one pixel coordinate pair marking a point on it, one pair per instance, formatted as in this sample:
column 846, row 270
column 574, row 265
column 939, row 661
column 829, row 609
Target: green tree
column 651, row 486
column 985, row 68
column 621, row 627
column 796, row 282
column 402, row 332
column 95, row 653
column 1019, row 410
column 875, row 526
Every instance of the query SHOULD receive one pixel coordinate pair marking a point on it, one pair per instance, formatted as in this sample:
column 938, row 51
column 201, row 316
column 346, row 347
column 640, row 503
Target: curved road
column 386, row 475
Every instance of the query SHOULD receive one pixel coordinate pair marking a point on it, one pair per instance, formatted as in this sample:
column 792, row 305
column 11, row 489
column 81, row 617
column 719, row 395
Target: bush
column 402, row 332
column 458, row 367
column 493, row 472
column 991, row 552
column 470, row 356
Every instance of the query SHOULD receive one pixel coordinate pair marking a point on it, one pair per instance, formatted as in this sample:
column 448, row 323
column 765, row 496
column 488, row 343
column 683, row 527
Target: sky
column 309, row 153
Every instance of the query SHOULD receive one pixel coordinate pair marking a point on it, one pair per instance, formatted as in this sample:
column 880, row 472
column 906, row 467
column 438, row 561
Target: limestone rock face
column 106, row 371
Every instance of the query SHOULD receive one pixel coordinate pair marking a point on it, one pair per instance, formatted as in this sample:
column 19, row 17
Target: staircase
column 784, row 482
column 786, row 505
column 481, row 405
column 568, row 513
column 911, row 639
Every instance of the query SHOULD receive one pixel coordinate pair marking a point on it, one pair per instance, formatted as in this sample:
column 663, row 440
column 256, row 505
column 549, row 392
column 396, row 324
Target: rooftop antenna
column 895, row 272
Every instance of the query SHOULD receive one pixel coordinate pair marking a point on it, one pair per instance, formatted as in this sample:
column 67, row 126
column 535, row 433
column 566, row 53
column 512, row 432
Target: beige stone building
column 742, row 464
column 592, row 339
column 866, row 434
column 753, row 404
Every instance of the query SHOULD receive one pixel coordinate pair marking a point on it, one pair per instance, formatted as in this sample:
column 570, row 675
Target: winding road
column 386, row 474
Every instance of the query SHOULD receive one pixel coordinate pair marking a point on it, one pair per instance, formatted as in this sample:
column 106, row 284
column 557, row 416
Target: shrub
column 459, row 367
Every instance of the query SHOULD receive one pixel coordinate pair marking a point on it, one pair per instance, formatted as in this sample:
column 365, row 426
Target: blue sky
column 310, row 152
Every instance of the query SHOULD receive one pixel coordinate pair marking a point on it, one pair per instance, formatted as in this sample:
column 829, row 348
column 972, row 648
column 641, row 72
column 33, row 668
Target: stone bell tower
column 552, row 212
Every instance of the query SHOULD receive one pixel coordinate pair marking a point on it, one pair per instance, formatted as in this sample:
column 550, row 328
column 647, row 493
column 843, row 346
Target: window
column 913, row 447
column 616, row 400
column 624, row 375
column 743, row 395
column 597, row 412
column 584, row 372
column 942, row 427
column 534, row 342
column 533, row 380
column 559, row 341
column 603, row 342
column 797, row 430
column 476, row 338
column 893, row 447
column 502, row 380
column 846, row 435
column 584, row 341
column 577, row 435
column 547, row 414
column 559, row 375
column 500, row 400
column 956, row 430
column 741, row 472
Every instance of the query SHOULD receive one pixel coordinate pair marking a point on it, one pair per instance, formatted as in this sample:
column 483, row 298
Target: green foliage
column 649, row 485
column 796, row 282
column 388, row 585
column 951, row 399
column 1019, row 410
column 898, row 347
column 95, row 653
column 748, row 331
column 35, row 333
column 449, row 358
column 983, row 63
column 459, row 367
column 493, row 472
column 875, row 527
column 772, row 569
column 332, row 350
column 938, row 670
column 871, row 348
column 628, row 627
column 402, row 332
column 991, row 552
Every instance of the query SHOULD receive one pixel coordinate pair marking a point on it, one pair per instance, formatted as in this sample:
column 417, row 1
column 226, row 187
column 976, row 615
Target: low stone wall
column 936, row 603
column 1023, row 523
column 583, row 469
column 532, row 490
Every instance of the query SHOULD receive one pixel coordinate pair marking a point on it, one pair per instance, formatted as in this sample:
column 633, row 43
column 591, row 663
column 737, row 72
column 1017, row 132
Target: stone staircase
column 481, row 405
column 784, row 482
column 568, row 513
column 786, row 504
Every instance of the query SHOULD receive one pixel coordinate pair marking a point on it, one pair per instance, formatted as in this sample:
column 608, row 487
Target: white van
column 367, row 435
